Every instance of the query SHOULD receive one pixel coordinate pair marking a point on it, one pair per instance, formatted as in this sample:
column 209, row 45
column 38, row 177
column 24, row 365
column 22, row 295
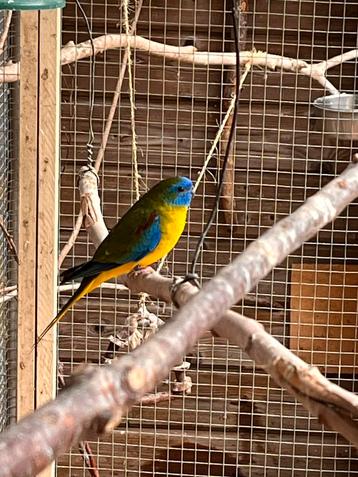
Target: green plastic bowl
column 31, row 4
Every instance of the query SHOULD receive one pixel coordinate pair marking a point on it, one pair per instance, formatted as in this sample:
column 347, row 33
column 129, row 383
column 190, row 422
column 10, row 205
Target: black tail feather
column 87, row 269
column 79, row 271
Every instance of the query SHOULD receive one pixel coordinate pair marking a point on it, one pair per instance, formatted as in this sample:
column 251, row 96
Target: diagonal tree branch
column 98, row 397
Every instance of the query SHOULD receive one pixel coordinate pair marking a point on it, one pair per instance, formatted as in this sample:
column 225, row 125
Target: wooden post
column 27, row 213
column 39, row 107
column 48, row 178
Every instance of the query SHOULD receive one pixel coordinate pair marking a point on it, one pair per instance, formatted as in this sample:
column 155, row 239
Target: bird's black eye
column 181, row 189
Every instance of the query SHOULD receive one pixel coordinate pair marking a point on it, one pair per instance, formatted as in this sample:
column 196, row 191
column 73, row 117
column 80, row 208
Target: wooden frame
column 38, row 163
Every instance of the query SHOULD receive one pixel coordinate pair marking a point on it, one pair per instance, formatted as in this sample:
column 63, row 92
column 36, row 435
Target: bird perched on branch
column 146, row 233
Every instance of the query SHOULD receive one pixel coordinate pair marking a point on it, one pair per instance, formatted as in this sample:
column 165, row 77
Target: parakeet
column 147, row 232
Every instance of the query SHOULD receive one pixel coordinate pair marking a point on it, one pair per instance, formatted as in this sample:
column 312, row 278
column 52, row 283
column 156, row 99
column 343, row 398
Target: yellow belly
column 172, row 224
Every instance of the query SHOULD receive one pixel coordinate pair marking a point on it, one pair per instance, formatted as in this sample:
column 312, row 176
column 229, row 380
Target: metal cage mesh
column 7, row 261
column 236, row 421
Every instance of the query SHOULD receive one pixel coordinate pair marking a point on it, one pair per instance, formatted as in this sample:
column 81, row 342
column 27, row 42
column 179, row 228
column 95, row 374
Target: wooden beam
column 48, row 174
column 39, row 105
column 27, row 212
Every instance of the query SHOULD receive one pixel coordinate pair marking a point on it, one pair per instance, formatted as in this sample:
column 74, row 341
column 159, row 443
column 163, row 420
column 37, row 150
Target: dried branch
column 5, row 32
column 6, row 290
column 9, row 293
column 89, row 459
column 228, row 202
column 72, row 239
column 98, row 397
column 189, row 54
column 71, row 53
column 90, row 214
column 154, row 398
column 9, row 240
column 227, row 199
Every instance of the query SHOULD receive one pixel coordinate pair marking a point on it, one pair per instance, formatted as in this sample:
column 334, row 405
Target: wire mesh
column 6, row 259
column 236, row 421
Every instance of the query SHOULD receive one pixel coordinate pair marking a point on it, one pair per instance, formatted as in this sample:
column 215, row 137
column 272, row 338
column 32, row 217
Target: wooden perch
column 99, row 396
column 71, row 53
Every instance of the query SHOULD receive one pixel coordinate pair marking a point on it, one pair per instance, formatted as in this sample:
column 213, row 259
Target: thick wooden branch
column 71, row 53
column 99, row 397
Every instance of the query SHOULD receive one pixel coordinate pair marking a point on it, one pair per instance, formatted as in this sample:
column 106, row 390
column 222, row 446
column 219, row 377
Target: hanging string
column 90, row 141
column 236, row 24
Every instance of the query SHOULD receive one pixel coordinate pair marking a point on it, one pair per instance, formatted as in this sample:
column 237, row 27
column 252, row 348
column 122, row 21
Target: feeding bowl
column 338, row 115
column 30, row 4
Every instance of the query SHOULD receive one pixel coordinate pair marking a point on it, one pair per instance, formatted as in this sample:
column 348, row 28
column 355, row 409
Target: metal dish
column 338, row 115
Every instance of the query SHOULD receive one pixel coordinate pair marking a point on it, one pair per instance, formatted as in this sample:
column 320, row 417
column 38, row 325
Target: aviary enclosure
column 159, row 101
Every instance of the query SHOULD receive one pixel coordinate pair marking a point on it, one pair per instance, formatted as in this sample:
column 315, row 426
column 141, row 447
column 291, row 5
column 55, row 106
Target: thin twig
column 5, row 32
column 89, row 458
column 227, row 200
column 155, row 398
column 72, row 239
column 9, row 296
column 214, row 144
column 9, row 240
column 220, row 130
column 6, row 290
column 11, row 292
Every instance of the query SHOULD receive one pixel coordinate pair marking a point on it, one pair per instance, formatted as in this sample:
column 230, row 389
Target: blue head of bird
column 176, row 191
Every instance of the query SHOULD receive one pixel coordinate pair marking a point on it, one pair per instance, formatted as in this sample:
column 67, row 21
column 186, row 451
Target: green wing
column 136, row 234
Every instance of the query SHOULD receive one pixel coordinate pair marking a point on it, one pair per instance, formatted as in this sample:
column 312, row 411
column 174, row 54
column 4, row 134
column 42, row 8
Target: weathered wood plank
column 323, row 326
column 48, row 161
column 27, row 214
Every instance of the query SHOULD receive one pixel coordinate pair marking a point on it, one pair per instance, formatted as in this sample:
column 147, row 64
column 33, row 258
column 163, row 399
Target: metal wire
column 236, row 421
column 7, row 261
